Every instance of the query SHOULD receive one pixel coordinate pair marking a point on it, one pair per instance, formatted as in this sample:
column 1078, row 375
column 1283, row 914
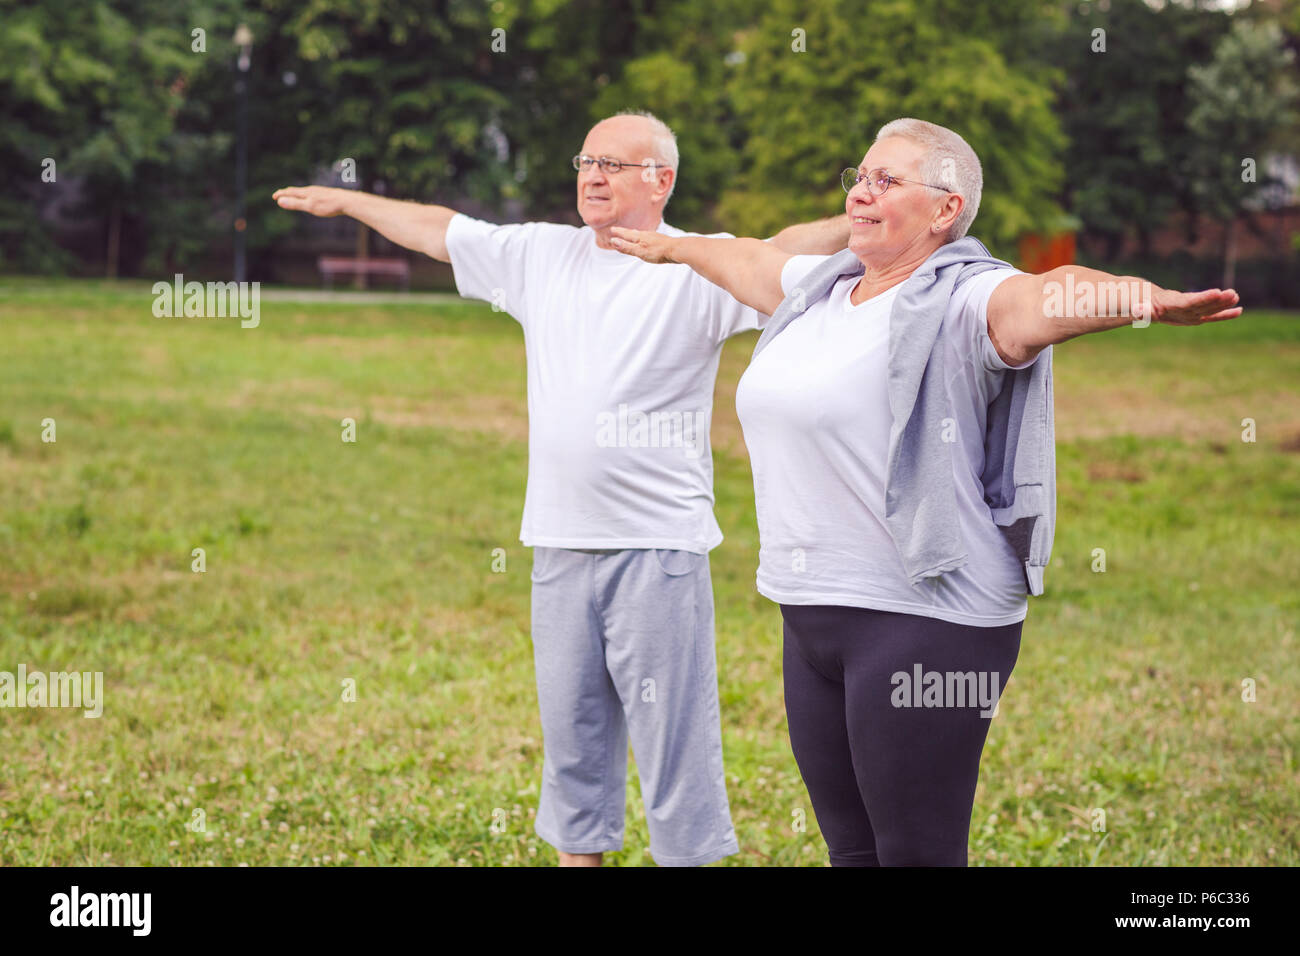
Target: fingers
column 629, row 242
column 1211, row 298
column 1194, row 308
column 634, row 235
column 1189, row 317
column 1226, row 314
column 292, row 197
column 1214, row 308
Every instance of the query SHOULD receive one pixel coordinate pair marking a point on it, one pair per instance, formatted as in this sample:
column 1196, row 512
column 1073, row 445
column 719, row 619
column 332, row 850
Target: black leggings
column 892, row 780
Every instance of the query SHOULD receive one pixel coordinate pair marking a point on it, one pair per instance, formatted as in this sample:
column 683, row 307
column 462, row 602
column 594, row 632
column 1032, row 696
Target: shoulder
column 464, row 223
column 973, row 292
column 968, row 312
column 797, row 268
column 670, row 230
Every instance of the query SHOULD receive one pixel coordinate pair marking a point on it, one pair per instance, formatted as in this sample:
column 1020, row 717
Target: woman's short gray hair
column 949, row 162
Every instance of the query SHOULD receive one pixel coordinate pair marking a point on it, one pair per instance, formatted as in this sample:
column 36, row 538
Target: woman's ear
column 947, row 213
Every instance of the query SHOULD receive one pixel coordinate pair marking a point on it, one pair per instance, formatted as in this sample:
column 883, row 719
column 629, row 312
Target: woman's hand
column 1192, row 308
column 653, row 247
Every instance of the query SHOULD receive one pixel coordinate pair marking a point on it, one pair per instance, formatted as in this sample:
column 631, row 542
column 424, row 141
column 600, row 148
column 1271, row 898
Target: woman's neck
column 881, row 277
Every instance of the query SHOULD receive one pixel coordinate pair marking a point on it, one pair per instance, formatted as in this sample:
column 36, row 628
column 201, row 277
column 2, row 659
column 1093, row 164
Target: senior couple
column 898, row 415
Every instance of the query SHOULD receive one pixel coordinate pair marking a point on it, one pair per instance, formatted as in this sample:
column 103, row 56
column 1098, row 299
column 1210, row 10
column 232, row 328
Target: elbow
column 782, row 239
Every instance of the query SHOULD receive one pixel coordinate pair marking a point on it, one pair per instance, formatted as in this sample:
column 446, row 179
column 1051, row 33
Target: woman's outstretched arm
column 750, row 269
column 1027, row 313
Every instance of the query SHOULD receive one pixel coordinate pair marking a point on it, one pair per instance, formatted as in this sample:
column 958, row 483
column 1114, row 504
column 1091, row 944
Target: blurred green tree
column 97, row 88
column 1124, row 106
column 1242, row 102
column 684, row 53
column 821, row 76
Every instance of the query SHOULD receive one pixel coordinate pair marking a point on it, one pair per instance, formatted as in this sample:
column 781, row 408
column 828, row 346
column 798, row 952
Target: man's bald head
column 652, row 136
column 635, row 195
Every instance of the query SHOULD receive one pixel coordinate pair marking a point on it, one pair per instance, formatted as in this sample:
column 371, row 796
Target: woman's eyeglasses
column 878, row 181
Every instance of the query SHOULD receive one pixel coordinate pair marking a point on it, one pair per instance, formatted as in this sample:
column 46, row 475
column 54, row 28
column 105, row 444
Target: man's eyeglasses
column 878, row 181
column 582, row 162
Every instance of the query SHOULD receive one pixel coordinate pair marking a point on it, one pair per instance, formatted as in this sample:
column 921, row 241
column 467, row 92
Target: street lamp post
column 243, row 40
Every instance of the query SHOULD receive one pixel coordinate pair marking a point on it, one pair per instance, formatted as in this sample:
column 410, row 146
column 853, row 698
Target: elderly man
column 898, row 415
column 622, row 358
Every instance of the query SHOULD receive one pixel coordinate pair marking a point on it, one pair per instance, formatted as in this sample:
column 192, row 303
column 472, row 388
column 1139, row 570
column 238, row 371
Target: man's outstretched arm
column 821, row 237
column 414, row 225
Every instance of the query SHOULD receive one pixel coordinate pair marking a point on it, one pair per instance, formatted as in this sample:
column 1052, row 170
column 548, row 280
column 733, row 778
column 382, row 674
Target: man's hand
column 409, row 224
column 651, row 246
column 324, row 201
column 1191, row 308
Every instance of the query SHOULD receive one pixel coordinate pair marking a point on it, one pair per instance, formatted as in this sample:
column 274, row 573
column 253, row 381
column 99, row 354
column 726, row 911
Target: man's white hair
column 665, row 145
column 949, row 162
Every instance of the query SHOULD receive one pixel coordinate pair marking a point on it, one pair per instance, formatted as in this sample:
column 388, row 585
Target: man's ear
column 665, row 180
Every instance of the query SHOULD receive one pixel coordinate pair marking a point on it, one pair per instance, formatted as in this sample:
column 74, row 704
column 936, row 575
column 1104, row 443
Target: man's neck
column 603, row 234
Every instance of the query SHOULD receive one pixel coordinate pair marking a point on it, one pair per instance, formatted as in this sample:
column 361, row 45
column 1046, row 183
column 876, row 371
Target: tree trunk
column 114, row 240
column 1230, row 254
column 1113, row 242
column 363, row 252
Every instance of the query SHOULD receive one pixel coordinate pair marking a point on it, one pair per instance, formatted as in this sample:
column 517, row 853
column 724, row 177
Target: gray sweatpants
column 623, row 645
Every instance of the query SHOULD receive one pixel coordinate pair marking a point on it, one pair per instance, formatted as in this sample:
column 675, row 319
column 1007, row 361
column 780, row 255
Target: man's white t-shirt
column 814, row 407
column 622, row 357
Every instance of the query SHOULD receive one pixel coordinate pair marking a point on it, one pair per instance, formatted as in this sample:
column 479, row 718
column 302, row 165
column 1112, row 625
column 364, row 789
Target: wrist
column 348, row 202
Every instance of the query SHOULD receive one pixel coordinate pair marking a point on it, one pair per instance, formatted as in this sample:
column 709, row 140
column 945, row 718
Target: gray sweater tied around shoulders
column 1019, row 475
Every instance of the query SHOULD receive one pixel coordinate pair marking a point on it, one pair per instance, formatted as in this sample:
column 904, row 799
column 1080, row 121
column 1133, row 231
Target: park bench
column 331, row 266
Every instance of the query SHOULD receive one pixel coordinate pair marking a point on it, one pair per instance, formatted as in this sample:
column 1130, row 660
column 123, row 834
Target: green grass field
column 328, row 561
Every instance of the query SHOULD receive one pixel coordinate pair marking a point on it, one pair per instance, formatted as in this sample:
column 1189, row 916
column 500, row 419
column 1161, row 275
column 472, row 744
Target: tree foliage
column 810, row 114
column 467, row 101
column 97, row 87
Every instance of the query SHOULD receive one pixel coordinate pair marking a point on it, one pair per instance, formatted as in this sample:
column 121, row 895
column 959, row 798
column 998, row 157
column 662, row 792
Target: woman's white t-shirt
column 814, row 407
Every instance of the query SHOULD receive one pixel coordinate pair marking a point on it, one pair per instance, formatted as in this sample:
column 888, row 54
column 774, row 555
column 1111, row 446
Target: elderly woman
column 898, row 414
